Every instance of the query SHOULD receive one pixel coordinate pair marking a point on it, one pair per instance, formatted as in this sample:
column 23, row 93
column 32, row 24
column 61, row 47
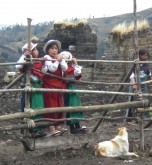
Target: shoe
column 61, row 129
column 76, row 130
column 84, row 129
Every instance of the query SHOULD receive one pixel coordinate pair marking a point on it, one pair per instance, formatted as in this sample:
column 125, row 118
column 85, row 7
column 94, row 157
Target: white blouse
column 21, row 59
column 77, row 69
column 53, row 66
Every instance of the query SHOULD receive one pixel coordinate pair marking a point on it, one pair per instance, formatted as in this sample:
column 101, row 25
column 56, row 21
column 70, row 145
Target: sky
column 17, row 11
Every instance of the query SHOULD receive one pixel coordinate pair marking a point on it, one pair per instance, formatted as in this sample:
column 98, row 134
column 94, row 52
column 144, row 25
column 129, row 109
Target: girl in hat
column 36, row 98
column 56, row 66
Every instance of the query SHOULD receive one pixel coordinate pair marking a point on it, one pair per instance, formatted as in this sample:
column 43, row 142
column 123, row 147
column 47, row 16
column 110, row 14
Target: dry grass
column 124, row 28
column 120, row 29
column 73, row 22
column 141, row 25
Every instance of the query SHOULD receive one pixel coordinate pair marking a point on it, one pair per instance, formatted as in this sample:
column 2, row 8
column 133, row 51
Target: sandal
column 52, row 131
column 61, row 129
column 55, row 133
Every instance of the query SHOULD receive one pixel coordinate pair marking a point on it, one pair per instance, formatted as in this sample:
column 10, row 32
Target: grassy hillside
column 103, row 26
column 12, row 38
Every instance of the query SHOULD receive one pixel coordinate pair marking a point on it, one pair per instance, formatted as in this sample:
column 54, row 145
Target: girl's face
column 35, row 53
column 144, row 57
column 53, row 50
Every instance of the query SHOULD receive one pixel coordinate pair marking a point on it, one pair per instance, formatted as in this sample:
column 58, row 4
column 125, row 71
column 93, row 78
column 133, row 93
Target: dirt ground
column 76, row 155
column 12, row 151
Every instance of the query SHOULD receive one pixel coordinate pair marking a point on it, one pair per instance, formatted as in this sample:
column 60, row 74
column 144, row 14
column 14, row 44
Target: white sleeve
column 21, row 59
column 52, row 66
column 44, row 68
column 77, row 69
column 49, row 65
column 132, row 75
column 64, row 65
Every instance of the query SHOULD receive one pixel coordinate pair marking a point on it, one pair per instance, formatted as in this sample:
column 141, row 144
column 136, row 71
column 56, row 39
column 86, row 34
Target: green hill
column 12, row 38
column 103, row 26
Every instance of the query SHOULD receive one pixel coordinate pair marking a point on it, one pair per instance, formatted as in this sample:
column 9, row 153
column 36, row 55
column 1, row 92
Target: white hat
column 25, row 47
column 52, row 41
column 66, row 55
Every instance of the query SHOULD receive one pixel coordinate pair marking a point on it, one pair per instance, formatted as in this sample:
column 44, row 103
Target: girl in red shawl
column 36, row 98
column 57, row 66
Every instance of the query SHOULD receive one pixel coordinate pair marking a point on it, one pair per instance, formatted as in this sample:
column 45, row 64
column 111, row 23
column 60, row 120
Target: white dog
column 115, row 147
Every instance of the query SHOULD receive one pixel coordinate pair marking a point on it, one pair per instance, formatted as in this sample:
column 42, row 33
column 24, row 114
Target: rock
column 11, row 150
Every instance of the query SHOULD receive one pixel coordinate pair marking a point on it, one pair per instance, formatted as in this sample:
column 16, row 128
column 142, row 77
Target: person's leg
column 144, row 89
column 22, row 102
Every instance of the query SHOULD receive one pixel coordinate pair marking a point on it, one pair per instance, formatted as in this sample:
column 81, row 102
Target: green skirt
column 74, row 100
column 37, row 102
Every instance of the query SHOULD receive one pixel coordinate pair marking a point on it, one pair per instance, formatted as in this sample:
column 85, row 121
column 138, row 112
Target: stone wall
column 79, row 35
column 122, row 50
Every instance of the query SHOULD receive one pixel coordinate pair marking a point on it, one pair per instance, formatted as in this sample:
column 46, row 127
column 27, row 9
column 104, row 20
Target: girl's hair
column 143, row 51
column 51, row 45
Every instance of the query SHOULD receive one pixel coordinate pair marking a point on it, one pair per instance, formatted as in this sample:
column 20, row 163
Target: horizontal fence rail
column 33, row 60
column 73, row 91
column 94, row 61
column 109, row 107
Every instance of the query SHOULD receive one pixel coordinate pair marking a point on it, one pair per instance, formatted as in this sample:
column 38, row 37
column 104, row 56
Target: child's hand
column 74, row 61
column 43, row 59
column 27, row 52
column 59, row 58
column 134, row 87
column 46, row 58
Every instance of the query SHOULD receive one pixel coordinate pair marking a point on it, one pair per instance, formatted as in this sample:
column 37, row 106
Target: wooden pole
column 110, row 107
column 86, row 61
column 48, row 122
column 137, row 69
column 141, row 110
column 93, row 82
column 80, row 81
column 73, row 91
column 28, row 72
column 95, row 61
column 141, row 131
column 13, row 83
column 29, row 20
column 15, row 63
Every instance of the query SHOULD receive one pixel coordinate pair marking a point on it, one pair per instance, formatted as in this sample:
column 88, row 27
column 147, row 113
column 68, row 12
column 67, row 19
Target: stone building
column 79, row 35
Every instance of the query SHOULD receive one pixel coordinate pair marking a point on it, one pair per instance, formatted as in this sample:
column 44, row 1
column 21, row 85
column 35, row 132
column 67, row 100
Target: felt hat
column 52, row 41
column 66, row 55
column 25, row 47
